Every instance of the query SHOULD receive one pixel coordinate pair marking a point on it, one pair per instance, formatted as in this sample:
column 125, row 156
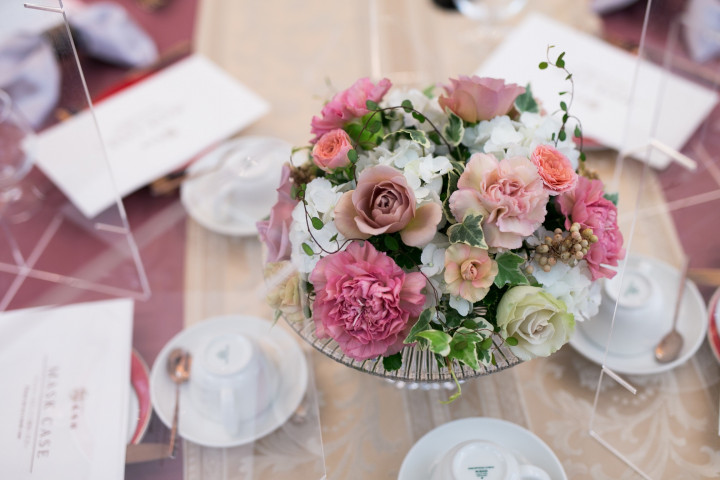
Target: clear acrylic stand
column 53, row 254
column 668, row 217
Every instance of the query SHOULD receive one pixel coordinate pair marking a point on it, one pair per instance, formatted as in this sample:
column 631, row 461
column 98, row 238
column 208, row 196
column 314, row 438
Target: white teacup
column 480, row 459
column 232, row 380
column 640, row 309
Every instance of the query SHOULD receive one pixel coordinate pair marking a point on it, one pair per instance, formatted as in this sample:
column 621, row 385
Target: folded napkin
column 702, row 35
column 30, row 75
column 28, row 64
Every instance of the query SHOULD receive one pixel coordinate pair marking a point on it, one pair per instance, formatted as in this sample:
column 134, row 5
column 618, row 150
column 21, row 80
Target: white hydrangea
column 492, row 136
column 461, row 305
column 572, row 285
column 425, row 175
column 433, row 256
column 321, row 199
column 429, row 107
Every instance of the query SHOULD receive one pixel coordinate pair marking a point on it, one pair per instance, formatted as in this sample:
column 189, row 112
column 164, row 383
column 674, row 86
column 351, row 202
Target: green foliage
column 613, row 197
column 429, row 91
column 391, row 243
column 417, row 136
column 543, row 65
column 392, row 362
column 439, row 341
column 352, row 156
column 509, row 272
column 407, row 106
column 468, row 232
column 422, row 324
column 307, row 249
column 452, row 179
column 526, row 102
column 317, row 223
column 370, row 105
column 463, row 347
column 512, row 341
column 490, row 302
column 454, row 130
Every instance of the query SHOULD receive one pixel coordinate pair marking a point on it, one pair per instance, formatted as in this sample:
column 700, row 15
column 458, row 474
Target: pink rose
column 469, row 271
column 330, row 152
column 275, row 232
column 348, row 105
column 587, row 206
column 474, row 99
column 509, row 193
column 554, row 168
column 364, row 301
column 383, row 202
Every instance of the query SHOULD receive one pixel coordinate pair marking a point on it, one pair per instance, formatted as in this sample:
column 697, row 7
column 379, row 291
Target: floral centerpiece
column 443, row 219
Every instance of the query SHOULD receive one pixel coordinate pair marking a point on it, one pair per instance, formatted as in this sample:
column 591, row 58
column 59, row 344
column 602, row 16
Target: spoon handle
column 681, row 291
column 172, row 447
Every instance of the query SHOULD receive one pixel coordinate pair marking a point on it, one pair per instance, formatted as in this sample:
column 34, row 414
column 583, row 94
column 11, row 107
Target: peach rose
column 469, row 271
column 383, row 202
column 330, row 152
column 474, row 99
column 554, row 168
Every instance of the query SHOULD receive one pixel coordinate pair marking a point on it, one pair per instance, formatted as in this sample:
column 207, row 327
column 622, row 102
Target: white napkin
column 703, row 32
column 30, row 75
column 107, row 33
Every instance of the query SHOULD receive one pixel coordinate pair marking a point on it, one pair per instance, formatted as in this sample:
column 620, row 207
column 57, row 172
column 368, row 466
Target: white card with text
column 148, row 130
column 65, row 376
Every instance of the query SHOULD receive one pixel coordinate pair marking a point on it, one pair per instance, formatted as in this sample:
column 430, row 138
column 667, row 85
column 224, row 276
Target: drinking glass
column 17, row 144
column 490, row 11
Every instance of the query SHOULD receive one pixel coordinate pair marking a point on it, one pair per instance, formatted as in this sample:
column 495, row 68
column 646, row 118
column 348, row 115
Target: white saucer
column 260, row 158
column 281, row 349
column 692, row 325
column 524, row 444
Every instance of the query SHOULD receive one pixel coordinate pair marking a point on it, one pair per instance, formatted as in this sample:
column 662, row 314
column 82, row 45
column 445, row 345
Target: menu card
column 662, row 104
column 65, row 382
column 148, row 130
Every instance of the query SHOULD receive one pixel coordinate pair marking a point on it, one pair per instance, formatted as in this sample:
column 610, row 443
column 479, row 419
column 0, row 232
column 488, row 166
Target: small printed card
column 65, row 376
column 665, row 107
column 148, row 130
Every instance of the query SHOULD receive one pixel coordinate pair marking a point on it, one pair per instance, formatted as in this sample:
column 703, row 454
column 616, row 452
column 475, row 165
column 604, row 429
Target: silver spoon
column 671, row 344
column 179, row 363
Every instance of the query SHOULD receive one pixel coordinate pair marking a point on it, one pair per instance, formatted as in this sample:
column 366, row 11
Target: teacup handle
column 531, row 472
column 228, row 411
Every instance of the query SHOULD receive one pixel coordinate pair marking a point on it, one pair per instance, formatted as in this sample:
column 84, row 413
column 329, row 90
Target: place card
column 603, row 81
column 65, row 376
column 148, row 130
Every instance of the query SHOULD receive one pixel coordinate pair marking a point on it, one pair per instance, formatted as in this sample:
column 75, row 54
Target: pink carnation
column 365, row 302
column 474, row 99
column 275, row 232
column 554, row 168
column 348, row 105
column 587, row 206
column 509, row 193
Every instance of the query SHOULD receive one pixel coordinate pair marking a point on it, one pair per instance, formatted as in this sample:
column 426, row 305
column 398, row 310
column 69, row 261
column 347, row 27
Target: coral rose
column 383, row 202
column 331, row 151
column 587, row 206
column 275, row 232
column 469, row 271
column 474, row 99
column 348, row 105
column 364, row 301
column 509, row 193
column 554, row 168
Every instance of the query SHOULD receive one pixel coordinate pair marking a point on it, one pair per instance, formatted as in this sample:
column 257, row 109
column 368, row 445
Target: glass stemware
column 17, row 145
column 490, row 11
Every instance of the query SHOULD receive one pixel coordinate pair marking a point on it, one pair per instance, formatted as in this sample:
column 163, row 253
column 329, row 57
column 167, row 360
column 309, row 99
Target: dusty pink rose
column 587, row 206
column 383, row 202
column 364, row 301
column 330, row 152
column 554, row 168
column 469, row 271
column 275, row 232
column 348, row 105
column 474, row 99
column 509, row 193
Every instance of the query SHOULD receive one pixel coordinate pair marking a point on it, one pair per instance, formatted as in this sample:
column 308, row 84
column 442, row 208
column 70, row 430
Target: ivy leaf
column 526, row 102
column 417, row 136
column 352, row 156
column 454, row 130
column 391, row 243
column 509, row 270
column 429, row 91
column 422, row 324
column 468, row 232
column 407, row 106
column 370, row 105
column 307, row 249
column 453, row 176
column 464, row 351
column 439, row 341
column 392, row 362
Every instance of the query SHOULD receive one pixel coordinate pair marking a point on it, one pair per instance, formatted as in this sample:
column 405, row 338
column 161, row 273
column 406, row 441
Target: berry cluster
column 568, row 247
